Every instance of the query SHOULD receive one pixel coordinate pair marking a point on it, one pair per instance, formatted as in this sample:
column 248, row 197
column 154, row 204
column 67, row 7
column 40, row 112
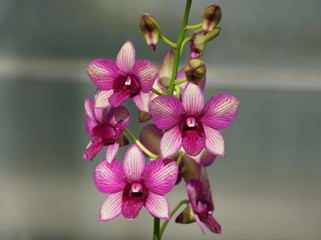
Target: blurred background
column 268, row 55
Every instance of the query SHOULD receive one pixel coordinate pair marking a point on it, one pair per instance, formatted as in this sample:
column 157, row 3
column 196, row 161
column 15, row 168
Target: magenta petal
column 220, row 111
column 101, row 98
column 159, row 177
column 181, row 74
column 214, row 141
column 167, row 111
column 194, row 190
column 118, row 118
column 126, row 57
column 205, row 158
column 171, row 142
column 212, row 224
column 150, row 137
column 116, row 99
column 90, row 119
column 109, row 177
column 131, row 207
column 111, row 207
column 92, row 149
column 134, row 163
column 111, row 152
column 192, row 99
column 192, row 143
column 146, row 73
column 197, row 219
column 141, row 101
column 157, row 205
column 103, row 72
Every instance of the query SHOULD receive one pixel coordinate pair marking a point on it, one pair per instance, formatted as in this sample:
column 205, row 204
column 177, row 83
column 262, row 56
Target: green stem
column 169, row 42
column 140, row 145
column 177, row 52
column 177, row 82
column 157, row 92
column 179, row 157
column 191, row 27
column 156, row 235
column 164, row 225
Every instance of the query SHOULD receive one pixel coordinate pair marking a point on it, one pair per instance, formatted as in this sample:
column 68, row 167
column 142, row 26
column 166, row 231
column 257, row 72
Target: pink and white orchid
column 124, row 79
column 135, row 185
column 191, row 124
column 106, row 129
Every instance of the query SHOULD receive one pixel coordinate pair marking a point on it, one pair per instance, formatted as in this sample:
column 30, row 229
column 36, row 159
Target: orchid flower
column 135, row 185
column 106, row 129
column 191, row 124
column 124, row 79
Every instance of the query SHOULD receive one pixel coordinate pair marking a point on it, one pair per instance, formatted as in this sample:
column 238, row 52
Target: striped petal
column 131, row 207
column 101, row 98
column 90, row 119
column 157, row 205
column 111, row 207
column 193, row 143
column 220, row 111
column 171, row 142
column 192, row 99
column 134, row 163
column 111, row 152
column 146, row 73
column 166, row 68
column 103, row 72
column 109, row 177
column 126, row 57
column 214, row 141
column 141, row 101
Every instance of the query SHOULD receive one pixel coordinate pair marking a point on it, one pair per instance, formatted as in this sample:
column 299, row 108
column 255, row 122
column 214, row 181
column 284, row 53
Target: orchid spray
column 184, row 139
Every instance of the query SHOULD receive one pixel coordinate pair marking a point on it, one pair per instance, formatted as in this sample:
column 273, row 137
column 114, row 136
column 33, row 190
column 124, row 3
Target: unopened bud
column 195, row 70
column 199, row 40
column 150, row 29
column 211, row 17
column 187, row 216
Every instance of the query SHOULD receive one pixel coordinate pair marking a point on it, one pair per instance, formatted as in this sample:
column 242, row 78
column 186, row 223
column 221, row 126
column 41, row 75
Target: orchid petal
column 111, row 207
column 167, row 111
column 192, row 99
column 90, row 119
column 192, row 143
column 197, row 219
column 220, row 111
column 205, row 158
column 109, row 177
column 144, row 117
column 141, row 101
column 194, row 190
column 171, row 142
column 212, row 224
column 103, row 72
column 134, row 163
column 166, row 68
column 92, row 149
column 160, row 176
column 146, row 72
column 157, row 205
column 150, row 137
column 118, row 118
column 116, row 99
column 126, row 57
column 214, row 141
column 111, row 152
column 101, row 98
column 131, row 207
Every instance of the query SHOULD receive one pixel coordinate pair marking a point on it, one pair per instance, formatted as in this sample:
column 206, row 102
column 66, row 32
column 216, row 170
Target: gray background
column 268, row 55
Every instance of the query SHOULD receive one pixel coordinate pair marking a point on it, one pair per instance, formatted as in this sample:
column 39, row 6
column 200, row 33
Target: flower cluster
column 182, row 142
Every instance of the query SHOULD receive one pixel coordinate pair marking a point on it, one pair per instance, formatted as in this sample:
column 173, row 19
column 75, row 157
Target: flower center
column 126, row 83
column 136, row 190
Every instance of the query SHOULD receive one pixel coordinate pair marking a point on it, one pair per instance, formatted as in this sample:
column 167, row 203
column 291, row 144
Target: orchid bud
column 195, row 70
column 199, row 40
column 150, row 29
column 187, row 216
column 211, row 17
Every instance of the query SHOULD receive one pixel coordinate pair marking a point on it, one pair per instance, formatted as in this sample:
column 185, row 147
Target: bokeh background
column 268, row 55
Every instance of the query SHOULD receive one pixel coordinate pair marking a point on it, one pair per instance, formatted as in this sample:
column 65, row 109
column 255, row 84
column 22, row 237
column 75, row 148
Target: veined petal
column 146, row 72
column 150, row 137
column 111, row 207
column 192, row 143
column 118, row 118
column 134, row 163
column 90, row 119
column 116, row 99
column 167, row 111
column 92, row 149
column 126, row 57
column 131, row 207
column 103, row 72
column 101, row 98
column 160, row 176
column 220, row 111
column 171, row 142
column 192, row 99
column 141, row 101
column 166, row 68
column 109, row 178
column 214, row 141
column 157, row 205
column 194, row 190
column 111, row 152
